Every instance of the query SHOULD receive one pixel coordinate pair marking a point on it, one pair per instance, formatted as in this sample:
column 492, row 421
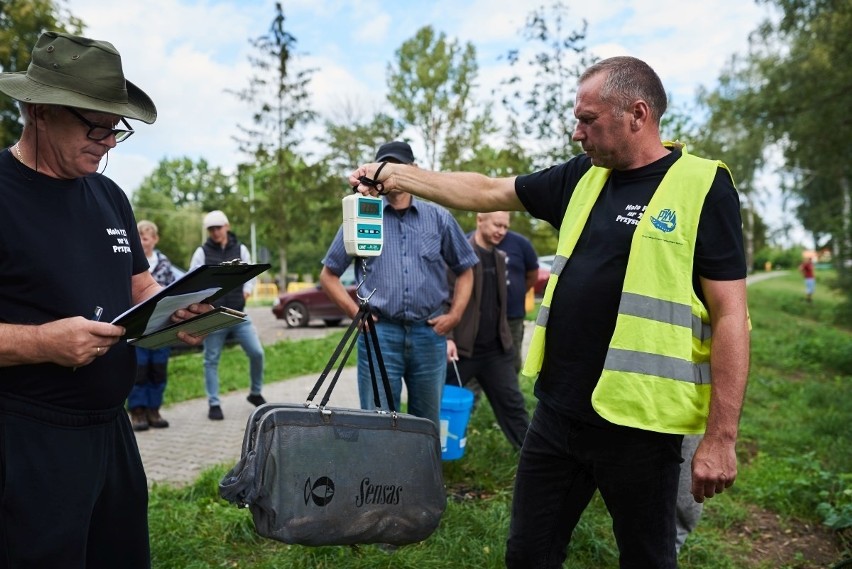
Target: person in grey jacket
column 221, row 246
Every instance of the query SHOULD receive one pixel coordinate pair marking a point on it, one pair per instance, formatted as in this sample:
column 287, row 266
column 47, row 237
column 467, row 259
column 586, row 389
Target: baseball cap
column 397, row 150
column 215, row 218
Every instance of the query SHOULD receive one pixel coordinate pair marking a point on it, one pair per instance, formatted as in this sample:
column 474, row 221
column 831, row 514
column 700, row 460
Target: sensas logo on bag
column 321, row 492
column 377, row 494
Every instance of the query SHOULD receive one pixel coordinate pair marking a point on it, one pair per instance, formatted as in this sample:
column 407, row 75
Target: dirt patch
column 789, row 544
column 466, row 493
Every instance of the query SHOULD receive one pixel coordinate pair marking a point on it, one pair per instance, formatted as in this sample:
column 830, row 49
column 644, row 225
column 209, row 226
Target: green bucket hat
column 74, row 71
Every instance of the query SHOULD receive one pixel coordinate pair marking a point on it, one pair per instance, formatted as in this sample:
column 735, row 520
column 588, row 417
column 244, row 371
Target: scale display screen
column 369, row 207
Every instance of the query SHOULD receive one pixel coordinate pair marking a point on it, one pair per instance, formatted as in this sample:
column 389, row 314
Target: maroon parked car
column 298, row 308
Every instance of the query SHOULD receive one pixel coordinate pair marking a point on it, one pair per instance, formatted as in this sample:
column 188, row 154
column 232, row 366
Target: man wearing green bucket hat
column 73, row 491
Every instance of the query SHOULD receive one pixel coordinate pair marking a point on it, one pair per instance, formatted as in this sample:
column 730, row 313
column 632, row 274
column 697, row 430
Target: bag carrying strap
column 361, row 324
column 374, row 336
column 356, row 322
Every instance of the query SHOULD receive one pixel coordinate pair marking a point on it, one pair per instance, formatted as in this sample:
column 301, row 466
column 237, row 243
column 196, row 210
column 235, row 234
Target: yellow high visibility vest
column 657, row 370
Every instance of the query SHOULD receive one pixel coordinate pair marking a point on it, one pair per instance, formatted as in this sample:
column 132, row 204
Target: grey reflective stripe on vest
column 699, row 329
column 559, row 262
column 633, row 304
column 543, row 315
column 661, row 366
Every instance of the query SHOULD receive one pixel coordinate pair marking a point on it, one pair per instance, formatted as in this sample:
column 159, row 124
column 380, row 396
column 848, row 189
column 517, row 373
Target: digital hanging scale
column 362, row 225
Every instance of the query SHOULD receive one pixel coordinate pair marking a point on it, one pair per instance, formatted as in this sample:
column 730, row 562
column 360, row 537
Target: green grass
column 797, row 423
column 795, row 462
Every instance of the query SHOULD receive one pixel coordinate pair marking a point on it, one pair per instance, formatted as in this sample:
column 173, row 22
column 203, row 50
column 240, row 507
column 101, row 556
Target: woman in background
column 151, row 365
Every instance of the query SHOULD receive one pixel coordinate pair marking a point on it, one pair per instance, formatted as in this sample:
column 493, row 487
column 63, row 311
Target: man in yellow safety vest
column 642, row 336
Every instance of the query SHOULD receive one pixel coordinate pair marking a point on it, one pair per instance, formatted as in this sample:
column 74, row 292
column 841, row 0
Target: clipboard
column 216, row 319
column 205, row 283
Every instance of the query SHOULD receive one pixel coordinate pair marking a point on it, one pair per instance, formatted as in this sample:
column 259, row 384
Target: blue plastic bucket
column 456, row 404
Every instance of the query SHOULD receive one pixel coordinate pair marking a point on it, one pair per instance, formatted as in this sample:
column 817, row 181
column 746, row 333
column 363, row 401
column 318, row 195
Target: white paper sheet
column 167, row 306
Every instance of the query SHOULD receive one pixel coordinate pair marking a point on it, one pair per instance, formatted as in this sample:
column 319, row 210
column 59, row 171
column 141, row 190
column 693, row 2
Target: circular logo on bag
column 321, row 491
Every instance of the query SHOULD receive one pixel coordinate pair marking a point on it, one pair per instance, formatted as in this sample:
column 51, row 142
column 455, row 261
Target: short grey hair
column 629, row 79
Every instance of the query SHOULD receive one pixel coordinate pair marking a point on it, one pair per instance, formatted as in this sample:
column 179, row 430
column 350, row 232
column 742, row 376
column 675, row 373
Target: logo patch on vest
column 666, row 221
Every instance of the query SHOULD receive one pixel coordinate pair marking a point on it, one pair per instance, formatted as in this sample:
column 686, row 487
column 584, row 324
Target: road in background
column 272, row 330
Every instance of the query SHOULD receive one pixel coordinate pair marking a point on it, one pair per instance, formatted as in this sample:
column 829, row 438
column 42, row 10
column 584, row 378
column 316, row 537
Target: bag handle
column 356, row 321
column 373, row 335
column 363, row 318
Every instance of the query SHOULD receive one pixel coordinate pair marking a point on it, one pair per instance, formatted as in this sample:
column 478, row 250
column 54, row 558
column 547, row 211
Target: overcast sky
column 187, row 54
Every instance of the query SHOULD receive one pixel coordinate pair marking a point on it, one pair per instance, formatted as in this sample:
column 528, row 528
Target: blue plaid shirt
column 410, row 276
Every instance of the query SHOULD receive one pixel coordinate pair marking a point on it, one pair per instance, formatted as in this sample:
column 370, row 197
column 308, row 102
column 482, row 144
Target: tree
column 279, row 95
column 186, row 183
column 177, row 194
column 431, row 85
column 792, row 93
column 545, row 108
column 719, row 137
column 808, row 93
column 282, row 109
column 21, row 24
column 353, row 140
column 510, row 159
column 313, row 207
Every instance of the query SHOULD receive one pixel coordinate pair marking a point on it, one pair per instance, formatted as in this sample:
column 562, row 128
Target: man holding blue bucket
column 482, row 340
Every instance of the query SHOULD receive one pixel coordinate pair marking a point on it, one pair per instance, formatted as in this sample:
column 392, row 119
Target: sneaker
column 155, row 420
column 139, row 419
column 215, row 413
column 256, row 399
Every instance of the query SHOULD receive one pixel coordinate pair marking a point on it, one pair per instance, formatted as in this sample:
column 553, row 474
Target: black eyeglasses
column 98, row 132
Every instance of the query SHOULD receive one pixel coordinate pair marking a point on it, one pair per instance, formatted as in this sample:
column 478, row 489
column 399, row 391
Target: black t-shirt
column 488, row 332
column 585, row 301
column 66, row 246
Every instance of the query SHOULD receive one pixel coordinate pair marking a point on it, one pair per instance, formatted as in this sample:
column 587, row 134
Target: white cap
column 215, row 218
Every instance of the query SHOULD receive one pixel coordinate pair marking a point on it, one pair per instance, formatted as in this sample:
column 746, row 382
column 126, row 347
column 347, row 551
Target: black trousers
column 495, row 374
column 516, row 327
column 564, row 461
column 73, row 492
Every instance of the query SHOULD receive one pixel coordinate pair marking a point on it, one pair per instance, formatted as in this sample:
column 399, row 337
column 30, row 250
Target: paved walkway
column 193, row 443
